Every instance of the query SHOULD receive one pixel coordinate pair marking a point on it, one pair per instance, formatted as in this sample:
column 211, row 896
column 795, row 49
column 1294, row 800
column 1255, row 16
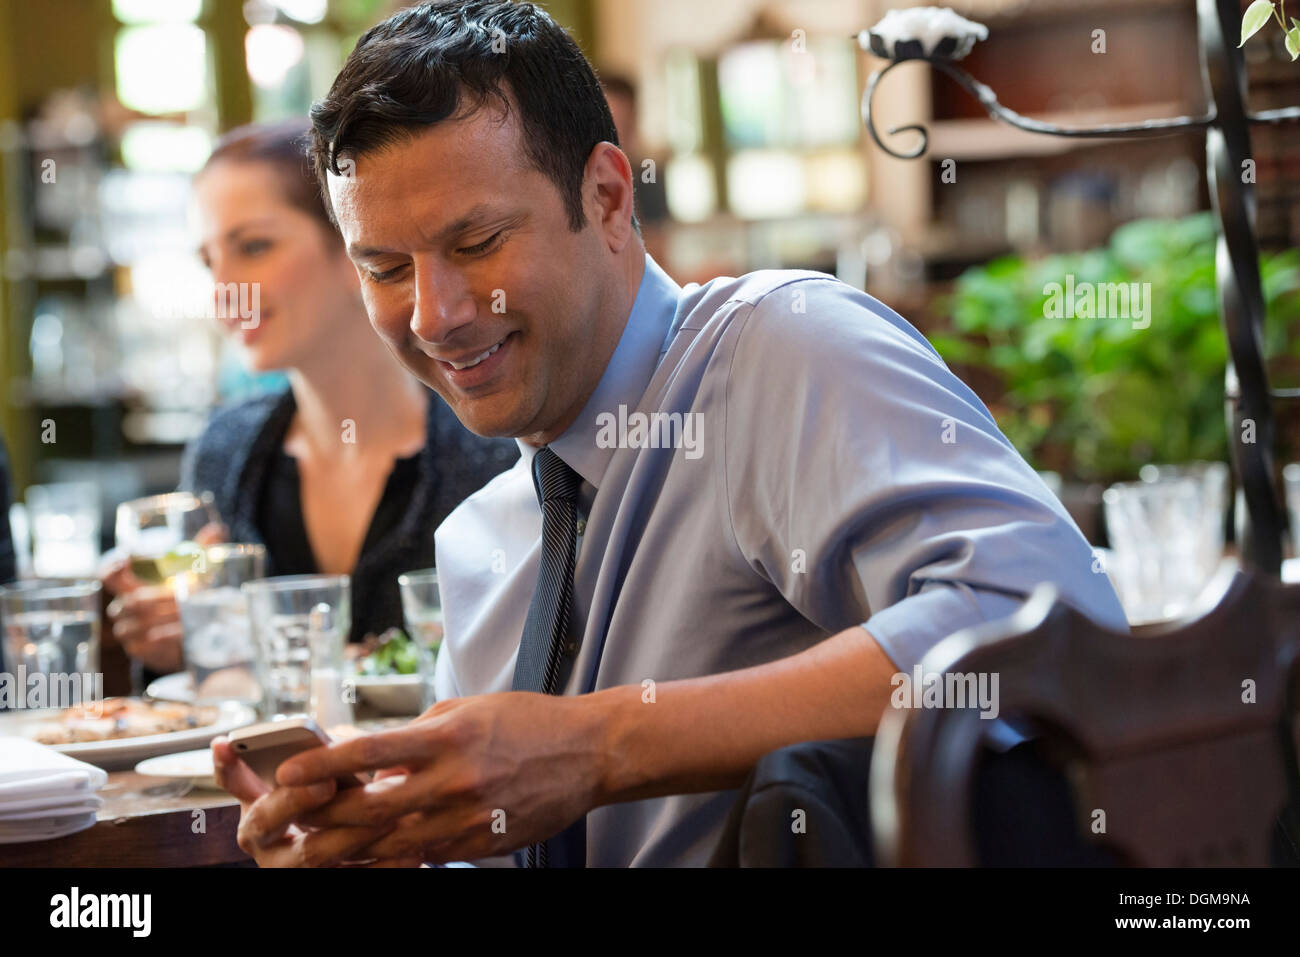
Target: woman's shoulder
column 231, row 425
column 453, row 443
column 230, row 430
column 446, row 433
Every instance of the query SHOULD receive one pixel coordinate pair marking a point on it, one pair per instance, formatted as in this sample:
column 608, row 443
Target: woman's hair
column 283, row 147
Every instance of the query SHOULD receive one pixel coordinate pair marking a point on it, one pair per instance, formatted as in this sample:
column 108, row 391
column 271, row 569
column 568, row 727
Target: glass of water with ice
column 52, row 628
column 217, row 635
column 422, row 609
column 300, row 624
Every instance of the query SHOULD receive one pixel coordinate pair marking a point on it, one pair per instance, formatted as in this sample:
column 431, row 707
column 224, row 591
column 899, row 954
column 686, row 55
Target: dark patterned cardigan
column 231, row 458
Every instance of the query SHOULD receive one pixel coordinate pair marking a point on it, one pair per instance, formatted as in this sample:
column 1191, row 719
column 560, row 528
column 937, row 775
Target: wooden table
column 145, row 822
column 156, row 822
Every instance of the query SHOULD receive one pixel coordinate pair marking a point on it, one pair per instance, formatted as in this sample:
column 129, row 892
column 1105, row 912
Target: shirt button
column 571, row 648
column 582, row 526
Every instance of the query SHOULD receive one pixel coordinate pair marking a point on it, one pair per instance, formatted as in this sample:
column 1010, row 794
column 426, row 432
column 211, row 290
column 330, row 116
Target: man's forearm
column 705, row 734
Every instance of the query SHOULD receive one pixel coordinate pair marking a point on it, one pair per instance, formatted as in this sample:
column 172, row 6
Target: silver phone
column 263, row 747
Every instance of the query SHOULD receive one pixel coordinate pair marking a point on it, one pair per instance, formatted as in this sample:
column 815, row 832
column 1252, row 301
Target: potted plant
column 1094, row 395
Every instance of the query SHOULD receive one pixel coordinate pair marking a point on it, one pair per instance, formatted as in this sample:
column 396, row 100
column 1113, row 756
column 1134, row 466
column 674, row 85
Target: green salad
column 394, row 654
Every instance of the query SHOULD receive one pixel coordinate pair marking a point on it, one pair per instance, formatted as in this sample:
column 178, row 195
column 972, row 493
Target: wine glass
column 159, row 534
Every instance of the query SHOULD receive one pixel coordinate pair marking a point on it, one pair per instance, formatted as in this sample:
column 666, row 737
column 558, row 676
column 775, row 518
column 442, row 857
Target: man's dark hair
column 444, row 60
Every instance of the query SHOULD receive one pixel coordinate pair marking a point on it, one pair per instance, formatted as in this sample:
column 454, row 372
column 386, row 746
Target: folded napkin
column 44, row 829
column 45, row 794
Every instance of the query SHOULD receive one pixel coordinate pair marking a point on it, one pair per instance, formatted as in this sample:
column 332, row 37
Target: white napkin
column 44, row 829
column 43, row 793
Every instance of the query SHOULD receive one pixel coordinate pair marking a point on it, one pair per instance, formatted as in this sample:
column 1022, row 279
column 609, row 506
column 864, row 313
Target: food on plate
column 115, row 718
column 392, row 653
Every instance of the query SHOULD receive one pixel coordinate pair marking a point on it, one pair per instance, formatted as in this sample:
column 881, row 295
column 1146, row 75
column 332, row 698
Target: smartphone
column 264, row 746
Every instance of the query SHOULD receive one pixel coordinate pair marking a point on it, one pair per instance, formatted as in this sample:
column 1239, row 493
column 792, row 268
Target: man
column 763, row 497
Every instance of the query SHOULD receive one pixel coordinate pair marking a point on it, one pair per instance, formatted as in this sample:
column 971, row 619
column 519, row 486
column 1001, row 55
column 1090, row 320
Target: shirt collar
column 626, row 376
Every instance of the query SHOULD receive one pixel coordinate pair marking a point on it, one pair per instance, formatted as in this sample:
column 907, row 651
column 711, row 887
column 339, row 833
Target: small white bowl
column 391, row 694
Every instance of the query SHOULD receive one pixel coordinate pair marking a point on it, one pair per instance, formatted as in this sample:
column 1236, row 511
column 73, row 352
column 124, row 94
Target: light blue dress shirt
column 834, row 473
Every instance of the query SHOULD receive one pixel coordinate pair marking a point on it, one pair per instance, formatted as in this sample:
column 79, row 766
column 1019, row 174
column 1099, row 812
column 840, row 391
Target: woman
column 353, row 467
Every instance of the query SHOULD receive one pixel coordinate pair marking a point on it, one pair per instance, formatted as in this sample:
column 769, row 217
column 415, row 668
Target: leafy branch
column 1259, row 13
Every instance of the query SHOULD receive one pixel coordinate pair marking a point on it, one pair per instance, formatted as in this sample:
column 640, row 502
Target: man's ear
column 607, row 194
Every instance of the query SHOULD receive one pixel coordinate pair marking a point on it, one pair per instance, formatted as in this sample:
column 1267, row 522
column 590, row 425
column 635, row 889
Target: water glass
column 1166, row 535
column 52, row 628
column 422, row 609
column 64, row 527
column 1213, row 478
column 1291, row 479
column 300, row 624
column 217, row 636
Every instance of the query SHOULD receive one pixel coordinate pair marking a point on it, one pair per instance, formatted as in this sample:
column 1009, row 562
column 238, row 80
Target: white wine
column 156, row 569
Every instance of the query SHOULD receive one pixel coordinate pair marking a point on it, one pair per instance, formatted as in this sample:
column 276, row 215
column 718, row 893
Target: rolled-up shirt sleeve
column 872, row 486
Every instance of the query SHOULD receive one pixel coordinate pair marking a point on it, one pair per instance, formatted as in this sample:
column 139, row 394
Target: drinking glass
column 300, row 624
column 64, row 527
column 52, row 628
column 1166, row 536
column 159, row 532
column 217, row 637
column 422, row 609
column 1213, row 480
column 1291, row 479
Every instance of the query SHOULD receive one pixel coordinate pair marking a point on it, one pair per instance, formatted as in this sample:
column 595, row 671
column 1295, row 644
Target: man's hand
column 267, row 832
column 484, row 775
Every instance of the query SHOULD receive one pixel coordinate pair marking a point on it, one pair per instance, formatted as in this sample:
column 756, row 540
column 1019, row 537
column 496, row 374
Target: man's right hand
column 267, row 832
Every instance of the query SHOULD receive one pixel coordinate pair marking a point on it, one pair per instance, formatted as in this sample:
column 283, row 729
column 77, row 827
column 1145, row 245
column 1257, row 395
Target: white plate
column 173, row 687
column 391, row 694
column 193, row 766
column 179, row 687
column 127, row 752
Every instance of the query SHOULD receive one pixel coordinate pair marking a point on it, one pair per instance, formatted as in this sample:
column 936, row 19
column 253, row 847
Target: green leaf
column 1256, row 15
column 1293, row 42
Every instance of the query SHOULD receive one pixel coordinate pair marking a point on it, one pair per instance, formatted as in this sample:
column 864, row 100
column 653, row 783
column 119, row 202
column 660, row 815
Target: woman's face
column 306, row 288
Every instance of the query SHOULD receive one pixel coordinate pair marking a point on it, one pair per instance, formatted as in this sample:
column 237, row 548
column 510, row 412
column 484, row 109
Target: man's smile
column 474, row 368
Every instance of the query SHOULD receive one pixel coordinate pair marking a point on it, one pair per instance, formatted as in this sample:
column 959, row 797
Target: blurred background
column 742, row 119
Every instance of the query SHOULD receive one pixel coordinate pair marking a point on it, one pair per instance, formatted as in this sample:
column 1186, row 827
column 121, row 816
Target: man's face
column 473, row 278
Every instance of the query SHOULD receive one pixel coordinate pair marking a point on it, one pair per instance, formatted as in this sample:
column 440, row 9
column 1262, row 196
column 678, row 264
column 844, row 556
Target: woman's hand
column 144, row 620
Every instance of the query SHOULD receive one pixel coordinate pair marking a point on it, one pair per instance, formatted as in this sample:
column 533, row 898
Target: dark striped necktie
column 545, row 642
